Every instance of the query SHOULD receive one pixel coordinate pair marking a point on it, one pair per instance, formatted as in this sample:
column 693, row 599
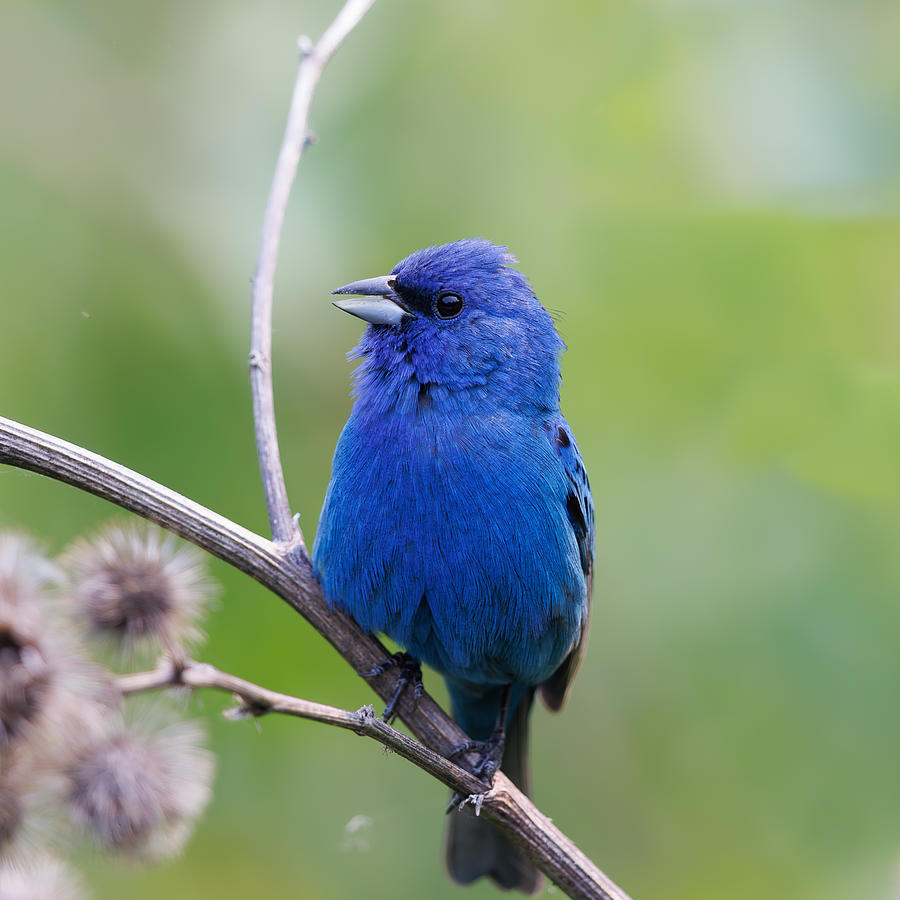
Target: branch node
column 178, row 665
column 305, row 46
column 236, row 713
column 367, row 717
column 247, row 709
column 287, row 549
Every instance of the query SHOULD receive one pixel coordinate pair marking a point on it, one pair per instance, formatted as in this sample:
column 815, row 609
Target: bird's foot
column 476, row 800
column 458, row 802
column 410, row 674
column 490, row 753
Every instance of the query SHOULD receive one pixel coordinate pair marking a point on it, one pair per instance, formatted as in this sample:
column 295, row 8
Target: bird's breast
column 449, row 533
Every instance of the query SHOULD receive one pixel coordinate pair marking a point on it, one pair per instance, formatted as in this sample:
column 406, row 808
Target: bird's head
column 458, row 316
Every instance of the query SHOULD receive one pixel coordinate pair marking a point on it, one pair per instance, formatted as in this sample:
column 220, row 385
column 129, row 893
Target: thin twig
column 502, row 802
column 551, row 850
column 259, row 701
column 285, row 528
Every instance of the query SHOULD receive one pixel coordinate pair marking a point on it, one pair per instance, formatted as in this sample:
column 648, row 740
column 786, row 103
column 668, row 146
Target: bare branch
column 503, row 802
column 283, row 565
column 284, row 526
column 551, row 850
column 259, row 701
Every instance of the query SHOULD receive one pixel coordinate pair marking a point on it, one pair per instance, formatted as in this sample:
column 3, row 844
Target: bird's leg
column 490, row 751
column 410, row 674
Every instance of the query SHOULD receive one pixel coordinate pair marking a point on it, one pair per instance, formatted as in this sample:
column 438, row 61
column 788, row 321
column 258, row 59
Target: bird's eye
column 448, row 306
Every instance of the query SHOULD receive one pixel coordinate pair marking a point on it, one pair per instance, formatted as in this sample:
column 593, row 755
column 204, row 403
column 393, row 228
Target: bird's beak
column 378, row 301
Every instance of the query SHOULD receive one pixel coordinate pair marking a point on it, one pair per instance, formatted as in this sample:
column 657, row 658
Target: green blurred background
column 706, row 192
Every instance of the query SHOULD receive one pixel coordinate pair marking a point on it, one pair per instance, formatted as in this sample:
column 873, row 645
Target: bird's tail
column 474, row 846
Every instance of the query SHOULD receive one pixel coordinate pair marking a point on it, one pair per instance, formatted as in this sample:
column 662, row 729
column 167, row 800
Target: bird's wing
column 580, row 510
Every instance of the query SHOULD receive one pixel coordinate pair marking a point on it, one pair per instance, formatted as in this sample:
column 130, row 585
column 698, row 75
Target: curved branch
column 284, row 526
column 283, row 566
column 502, row 801
column 551, row 850
column 263, row 560
column 260, row 701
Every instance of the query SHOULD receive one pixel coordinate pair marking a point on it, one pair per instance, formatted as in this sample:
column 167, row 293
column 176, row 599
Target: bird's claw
column 459, row 803
column 476, row 800
column 490, row 752
column 410, row 674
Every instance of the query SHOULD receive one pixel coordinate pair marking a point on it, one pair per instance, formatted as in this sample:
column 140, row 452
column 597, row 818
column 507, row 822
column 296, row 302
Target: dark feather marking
column 424, row 399
column 579, row 526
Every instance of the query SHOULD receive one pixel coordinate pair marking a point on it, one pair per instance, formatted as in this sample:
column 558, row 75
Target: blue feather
column 458, row 519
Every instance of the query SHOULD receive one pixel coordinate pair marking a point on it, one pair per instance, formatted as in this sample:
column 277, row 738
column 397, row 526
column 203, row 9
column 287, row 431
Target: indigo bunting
column 459, row 519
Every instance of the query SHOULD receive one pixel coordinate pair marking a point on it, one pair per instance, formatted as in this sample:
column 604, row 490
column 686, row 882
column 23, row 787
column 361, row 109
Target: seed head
column 139, row 587
column 11, row 814
column 26, row 639
column 25, row 675
column 29, row 804
column 83, row 708
column 38, row 877
column 50, row 694
column 25, row 573
column 141, row 794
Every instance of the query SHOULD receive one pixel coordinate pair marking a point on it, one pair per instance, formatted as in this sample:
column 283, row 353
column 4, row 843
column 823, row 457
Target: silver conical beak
column 377, row 303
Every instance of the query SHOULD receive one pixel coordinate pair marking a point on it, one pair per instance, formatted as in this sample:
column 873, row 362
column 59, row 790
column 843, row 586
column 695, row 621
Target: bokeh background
column 706, row 193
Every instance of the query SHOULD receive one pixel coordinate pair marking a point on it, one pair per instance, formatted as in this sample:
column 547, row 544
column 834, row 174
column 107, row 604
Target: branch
column 312, row 61
column 551, row 850
column 260, row 701
column 263, row 560
column 503, row 802
column 283, row 564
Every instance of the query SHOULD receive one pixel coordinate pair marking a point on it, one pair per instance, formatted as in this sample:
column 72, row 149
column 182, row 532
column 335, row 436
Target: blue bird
column 459, row 518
